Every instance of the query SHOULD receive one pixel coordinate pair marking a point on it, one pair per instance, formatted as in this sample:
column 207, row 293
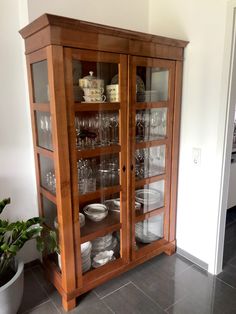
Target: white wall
column 17, row 173
column 131, row 14
column 17, row 178
column 203, row 24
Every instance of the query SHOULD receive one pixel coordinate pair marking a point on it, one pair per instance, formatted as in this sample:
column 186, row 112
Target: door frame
column 225, row 128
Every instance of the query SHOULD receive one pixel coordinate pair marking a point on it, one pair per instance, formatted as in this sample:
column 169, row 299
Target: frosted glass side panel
column 44, row 129
column 47, row 174
column 40, row 82
column 49, row 213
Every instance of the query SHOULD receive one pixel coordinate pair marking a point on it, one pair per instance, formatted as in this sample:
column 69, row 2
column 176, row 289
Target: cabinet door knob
column 124, row 168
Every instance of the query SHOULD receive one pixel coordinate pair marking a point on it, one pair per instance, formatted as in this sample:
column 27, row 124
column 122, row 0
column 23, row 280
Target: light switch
column 197, row 156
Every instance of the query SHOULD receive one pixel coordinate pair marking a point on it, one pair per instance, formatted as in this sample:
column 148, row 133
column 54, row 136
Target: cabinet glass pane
column 47, row 173
column 49, row 213
column 40, row 82
column 151, row 124
column 149, row 197
column 149, row 230
column 100, row 251
column 152, row 84
column 44, row 129
column 97, row 173
column 149, row 162
column 97, row 129
column 95, row 82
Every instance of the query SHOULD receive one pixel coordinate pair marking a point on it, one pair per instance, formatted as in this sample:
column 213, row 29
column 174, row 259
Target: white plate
column 148, row 196
column 85, row 247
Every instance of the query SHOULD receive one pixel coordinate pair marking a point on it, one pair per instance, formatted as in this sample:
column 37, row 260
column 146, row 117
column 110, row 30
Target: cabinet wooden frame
column 59, row 40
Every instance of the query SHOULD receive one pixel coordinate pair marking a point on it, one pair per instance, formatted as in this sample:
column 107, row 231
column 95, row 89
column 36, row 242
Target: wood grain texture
column 60, row 40
column 62, row 166
column 55, row 30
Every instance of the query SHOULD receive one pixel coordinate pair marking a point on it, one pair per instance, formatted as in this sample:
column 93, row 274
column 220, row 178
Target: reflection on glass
column 149, row 197
column 40, row 82
column 151, row 124
column 96, row 173
column 44, row 129
column 47, row 174
column 149, row 162
column 149, row 230
column 155, row 82
column 95, row 81
column 96, row 130
column 49, row 213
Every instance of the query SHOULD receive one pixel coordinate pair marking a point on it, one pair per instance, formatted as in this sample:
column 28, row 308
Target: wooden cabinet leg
column 68, row 305
column 170, row 251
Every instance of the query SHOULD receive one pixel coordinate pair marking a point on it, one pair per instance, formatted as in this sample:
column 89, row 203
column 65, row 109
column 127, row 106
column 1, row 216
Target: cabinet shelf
column 140, row 216
column 48, row 195
column 104, row 106
column 150, row 105
column 148, row 144
column 146, row 181
column 106, row 150
column 92, row 230
column 97, row 194
column 45, row 107
column 45, row 152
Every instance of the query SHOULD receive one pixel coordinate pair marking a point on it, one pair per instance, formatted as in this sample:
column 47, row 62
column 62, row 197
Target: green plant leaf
column 3, row 203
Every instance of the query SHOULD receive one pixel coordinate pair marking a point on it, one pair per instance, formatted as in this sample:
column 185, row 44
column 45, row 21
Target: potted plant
column 13, row 236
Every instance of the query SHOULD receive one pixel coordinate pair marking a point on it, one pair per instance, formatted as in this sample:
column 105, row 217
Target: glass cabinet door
column 98, row 115
column 150, row 149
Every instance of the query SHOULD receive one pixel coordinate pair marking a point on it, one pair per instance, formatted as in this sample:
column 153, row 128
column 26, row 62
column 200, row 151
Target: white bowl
column 96, row 212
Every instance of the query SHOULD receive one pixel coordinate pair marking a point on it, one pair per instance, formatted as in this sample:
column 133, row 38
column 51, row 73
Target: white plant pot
column 11, row 293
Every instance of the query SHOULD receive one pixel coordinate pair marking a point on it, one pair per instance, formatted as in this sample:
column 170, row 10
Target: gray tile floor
column 163, row 285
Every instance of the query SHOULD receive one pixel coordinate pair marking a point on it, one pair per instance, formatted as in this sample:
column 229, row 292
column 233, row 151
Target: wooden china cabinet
column 105, row 109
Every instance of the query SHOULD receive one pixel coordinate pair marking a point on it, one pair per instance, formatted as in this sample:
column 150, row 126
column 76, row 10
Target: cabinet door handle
column 132, row 167
column 124, row 168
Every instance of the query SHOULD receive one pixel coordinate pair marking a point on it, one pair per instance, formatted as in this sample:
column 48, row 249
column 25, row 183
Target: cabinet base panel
column 68, row 305
column 69, row 299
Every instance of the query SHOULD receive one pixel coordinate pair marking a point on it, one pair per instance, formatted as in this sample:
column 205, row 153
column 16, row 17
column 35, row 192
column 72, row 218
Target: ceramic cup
column 113, row 88
column 113, row 97
column 93, row 92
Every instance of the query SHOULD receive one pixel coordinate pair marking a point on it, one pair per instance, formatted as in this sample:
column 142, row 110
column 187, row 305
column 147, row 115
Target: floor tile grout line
column 182, row 271
column 35, row 307
column 45, row 290
column 176, row 276
column 176, row 302
column 151, row 299
column 101, row 298
column 109, row 308
column 225, row 283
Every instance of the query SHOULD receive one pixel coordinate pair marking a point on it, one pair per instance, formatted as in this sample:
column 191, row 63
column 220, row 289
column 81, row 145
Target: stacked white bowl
column 86, row 256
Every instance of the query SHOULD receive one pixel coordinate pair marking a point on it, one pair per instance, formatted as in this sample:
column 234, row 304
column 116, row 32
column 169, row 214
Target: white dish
column 81, row 219
column 96, row 212
column 85, row 247
column 148, row 196
column 103, row 257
